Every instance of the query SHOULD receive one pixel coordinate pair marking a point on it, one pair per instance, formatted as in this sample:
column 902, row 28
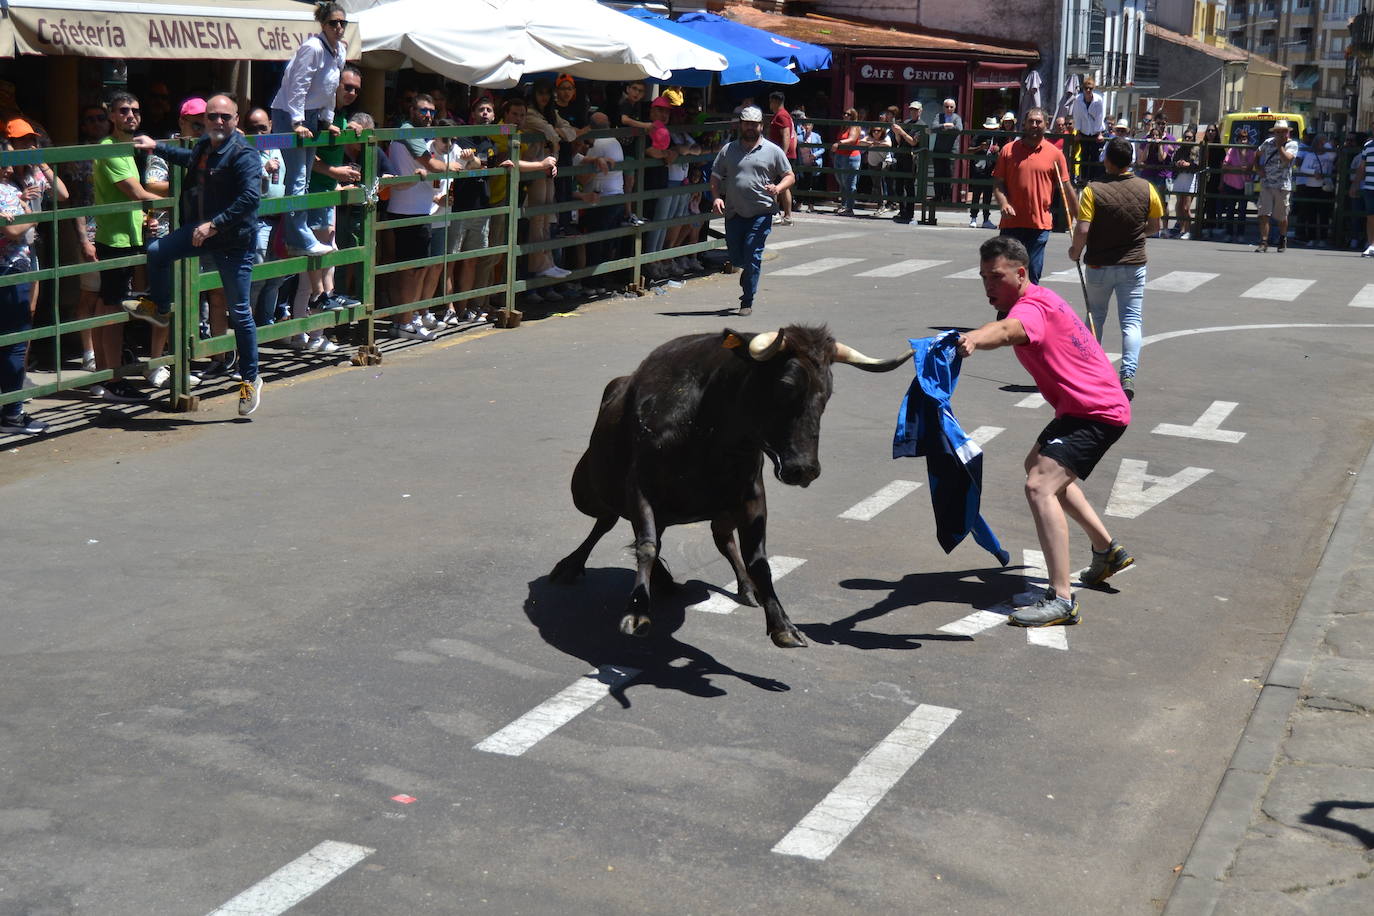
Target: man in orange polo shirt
column 1024, row 181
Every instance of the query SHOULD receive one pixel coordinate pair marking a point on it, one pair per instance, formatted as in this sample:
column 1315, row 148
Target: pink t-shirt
column 659, row 137
column 1067, row 363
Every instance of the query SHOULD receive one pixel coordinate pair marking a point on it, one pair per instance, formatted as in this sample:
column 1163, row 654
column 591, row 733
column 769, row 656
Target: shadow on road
column 993, row 586
column 1320, row 816
column 581, row 620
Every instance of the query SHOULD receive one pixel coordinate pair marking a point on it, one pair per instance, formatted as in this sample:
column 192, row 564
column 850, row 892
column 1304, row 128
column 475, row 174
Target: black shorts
column 1078, row 444
column 116, row 282
column 411, row 242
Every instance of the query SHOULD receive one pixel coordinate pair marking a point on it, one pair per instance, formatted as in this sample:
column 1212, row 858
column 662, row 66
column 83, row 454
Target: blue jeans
column 14, row 317
column 744, row 238
column 298, row 161
column 235, row 273
column 263, row 294
column 1128, row 282
column 848, row 179
column 1034, row 240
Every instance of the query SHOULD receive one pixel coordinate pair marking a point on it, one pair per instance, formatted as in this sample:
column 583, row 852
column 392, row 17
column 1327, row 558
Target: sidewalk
column 1291, row 829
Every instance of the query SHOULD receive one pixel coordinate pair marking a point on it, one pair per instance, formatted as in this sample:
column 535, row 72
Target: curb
column 1246, row 780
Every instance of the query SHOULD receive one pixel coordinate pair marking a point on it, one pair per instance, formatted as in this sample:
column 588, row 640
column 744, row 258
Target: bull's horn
column 847, row 354
column 766, row 346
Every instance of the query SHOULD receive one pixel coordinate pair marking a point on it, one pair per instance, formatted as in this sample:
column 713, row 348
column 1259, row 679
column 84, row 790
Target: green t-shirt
column 118, row 230
column 329, row 155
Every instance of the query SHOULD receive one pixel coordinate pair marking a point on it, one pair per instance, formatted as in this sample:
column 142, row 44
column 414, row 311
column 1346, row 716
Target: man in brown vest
column 1115, row 216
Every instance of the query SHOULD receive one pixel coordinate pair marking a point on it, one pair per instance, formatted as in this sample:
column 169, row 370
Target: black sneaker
column 121, row 392
column 1282, row 245
column 23, row 423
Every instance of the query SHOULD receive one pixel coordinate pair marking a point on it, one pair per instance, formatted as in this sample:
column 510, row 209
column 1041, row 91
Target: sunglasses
column 337, row 23
column 424, row 111
column 125, row 109
column 347, row 88
column 220, row 116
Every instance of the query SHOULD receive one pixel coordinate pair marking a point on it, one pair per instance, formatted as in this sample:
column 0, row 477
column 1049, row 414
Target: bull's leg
column 751, row 535
column 662, row 575
column 575, row 564
column 636, row 621
column 723, row 530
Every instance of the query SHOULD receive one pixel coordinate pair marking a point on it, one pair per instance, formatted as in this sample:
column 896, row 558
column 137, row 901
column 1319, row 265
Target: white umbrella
column 497, row 42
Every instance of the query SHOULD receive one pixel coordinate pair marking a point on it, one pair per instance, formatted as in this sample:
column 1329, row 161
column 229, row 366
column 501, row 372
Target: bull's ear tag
column 732, row 341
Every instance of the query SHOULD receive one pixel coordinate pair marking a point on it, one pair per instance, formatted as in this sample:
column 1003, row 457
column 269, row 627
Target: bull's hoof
column 635, row 625
column 567, row 571
column 745, row 596
column 789, row 638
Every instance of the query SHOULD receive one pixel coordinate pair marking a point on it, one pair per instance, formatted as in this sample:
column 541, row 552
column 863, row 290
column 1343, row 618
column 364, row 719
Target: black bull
column 683, row 439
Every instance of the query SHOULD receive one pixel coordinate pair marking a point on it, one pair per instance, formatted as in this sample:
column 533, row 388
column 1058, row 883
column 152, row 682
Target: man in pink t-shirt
column 1090, row 413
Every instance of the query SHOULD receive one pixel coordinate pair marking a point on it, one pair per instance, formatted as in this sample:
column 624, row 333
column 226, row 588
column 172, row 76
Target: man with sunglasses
column 219, row 217
column 115, row 180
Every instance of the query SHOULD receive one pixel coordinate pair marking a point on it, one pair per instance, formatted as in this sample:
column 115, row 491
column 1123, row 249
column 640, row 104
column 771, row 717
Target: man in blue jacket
column 219, row 213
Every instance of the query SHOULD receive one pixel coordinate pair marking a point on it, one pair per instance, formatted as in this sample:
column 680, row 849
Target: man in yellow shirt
column 1116, row 214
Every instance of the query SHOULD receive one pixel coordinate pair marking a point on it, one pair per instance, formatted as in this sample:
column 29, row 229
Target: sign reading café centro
column 191, row 30
column 896, row 71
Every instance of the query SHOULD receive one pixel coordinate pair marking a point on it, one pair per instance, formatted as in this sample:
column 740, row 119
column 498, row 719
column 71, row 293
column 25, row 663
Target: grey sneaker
column 1128, row 386
column 1106, row 563
column 1047, row 612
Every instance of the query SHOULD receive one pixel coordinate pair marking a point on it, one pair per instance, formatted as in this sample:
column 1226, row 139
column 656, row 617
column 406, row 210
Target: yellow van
column 1251, row 127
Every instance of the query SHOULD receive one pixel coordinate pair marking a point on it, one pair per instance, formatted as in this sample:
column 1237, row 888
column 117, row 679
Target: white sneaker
column 1368, row 252
column 317, row 249
column 88, row 361
column 555, row 272
column 328, row 346
column 1183, row 237
column 97, row 392
column 298, row 342
column 430, row 322
column 413, row 331
column 161, row 377
column 250, row 396
column 315, row 343
column 973, row 224
column 450, row 318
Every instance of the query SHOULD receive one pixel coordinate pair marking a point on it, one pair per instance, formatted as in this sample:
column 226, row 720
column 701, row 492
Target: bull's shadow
column 991, row 586
column 581, row 620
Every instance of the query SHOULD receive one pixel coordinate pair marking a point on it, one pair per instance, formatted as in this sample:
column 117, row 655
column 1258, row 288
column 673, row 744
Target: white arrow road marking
column 820, row 265
column 975, row 623
column 557, row 711
column 1283, row 289
column 1179, row 281
column 1038, row 577
column 985, row 434
column 900, row 269
column 865, row 510
column 1364, row 299
column 797, row 243
column 724, row 604
column 1134, row 491
column 818, row 834
column 292, row 883
column 1207, row 426
column 1032, row 401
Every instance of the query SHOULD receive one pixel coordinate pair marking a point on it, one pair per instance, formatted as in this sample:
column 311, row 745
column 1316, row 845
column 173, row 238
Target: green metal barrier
column 185, row 341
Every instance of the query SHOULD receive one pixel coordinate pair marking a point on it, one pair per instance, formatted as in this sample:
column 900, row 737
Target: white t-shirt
column 411, row 199
column 440, row 188
column 612, row 182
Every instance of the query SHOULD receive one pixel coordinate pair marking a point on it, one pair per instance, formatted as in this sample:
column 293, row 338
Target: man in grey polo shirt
column 748, row 175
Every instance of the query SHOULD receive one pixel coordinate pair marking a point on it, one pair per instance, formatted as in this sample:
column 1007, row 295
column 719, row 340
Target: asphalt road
column 259, row 658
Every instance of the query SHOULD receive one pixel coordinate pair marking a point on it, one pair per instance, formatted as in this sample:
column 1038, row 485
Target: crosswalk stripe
column 1282, row 289
column 557, row 711
column 1061, row 276
column 970, row 274
column 293, row 882
column 868, row 509
column 815, row 239
column 1032, row 401
column 1180, row 281
column 825, row 827
column 1364, row 299
column 723, row 604
column 985, row 434
column 820, row 265
column 901, row 268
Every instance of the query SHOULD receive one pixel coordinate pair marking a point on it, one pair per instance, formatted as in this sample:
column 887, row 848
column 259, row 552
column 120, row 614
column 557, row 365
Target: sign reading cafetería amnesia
column 143, row 31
